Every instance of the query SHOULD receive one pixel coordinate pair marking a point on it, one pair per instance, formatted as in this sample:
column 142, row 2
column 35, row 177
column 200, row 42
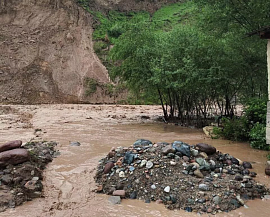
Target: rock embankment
column 196, row 178
column 21, row 171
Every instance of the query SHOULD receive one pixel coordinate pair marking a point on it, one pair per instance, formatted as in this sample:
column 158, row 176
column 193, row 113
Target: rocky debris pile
column 196, row 178
column 21, row 171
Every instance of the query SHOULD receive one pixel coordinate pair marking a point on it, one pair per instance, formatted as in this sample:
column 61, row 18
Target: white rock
column 212, row 162
column 122, row 174
column 167, row 189
column 149, row 164
column 173, row 163
column 143, row 163
column 153, row 187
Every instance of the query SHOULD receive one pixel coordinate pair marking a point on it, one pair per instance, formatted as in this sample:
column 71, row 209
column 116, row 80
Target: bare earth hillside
column 47, row 53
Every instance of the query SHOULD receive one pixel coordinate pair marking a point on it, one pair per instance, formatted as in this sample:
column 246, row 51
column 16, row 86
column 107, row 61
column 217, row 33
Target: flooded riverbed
column 69, row 183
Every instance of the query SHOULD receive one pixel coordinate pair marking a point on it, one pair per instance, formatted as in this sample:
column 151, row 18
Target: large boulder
column 15, row 156
column 208, row 149
column 10, row 145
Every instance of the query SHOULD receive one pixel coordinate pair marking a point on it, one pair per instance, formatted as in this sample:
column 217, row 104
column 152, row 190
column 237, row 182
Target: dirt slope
column 47, row 50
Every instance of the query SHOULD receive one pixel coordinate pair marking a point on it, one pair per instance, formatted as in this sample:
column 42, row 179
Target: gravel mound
column 181, row 176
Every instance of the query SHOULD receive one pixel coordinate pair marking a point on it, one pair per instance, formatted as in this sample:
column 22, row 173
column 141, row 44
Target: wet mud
column 69, row 180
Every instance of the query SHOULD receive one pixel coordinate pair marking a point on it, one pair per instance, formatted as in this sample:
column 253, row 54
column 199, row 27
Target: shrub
column 99, row 46
column 90, row 85
column 235, row 129
column 257, row 137
column 256, row 110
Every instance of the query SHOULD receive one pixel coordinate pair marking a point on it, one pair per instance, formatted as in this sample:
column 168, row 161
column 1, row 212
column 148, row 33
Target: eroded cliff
column 47, row 50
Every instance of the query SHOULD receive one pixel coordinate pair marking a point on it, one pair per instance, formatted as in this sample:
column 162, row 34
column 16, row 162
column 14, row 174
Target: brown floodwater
column 69, row 185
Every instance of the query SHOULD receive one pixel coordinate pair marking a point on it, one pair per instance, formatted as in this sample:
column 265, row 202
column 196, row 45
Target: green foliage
column 257, row 137
column 90, row 85
column 251, row 126
column 256, row 110
column 247, row 14
column 235, row 129
column 99, row 46
column 192, row 56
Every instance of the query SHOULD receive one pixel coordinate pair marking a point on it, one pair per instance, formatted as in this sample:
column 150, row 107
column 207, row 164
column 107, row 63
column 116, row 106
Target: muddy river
column 69, row 184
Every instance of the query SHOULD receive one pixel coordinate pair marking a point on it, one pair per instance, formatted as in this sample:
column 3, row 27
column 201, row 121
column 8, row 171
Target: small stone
column 133, row 195
column 203, row 187
column 177, row 158
column 235, row 203
column 240, row 200
column 212, row 162
column 202, row 200
column 35, row 178
column 253, row 174
column 142, row 143
column 119, row 162
column 167, row 149
column 167, row 189
column 194, row 164
column 100, row 188
column 129, row 157
column 268, row 163
column 159, row 201
column 120, row 193
column 119, row 186
column 238, row 177
column 153, row 187
column 185, row 172
column 74, row 144
column 149, row 164
column 217, row 200
column 115, row 199
column 147, row 200
column 208, row 149
column 198, row 173
column 131, row 169
column 188, row 209
column 143, row 163
column 225, row 171
column 209, row 210
column 108, row 167
column 31, row 185
column 182, row 147
column 186, row 159
column 171, row 155
column 247, row 165
column 267, row 197
column 194, row 152
column 200, row 161
column 173, row 163
column 122, row 174
column 204, row 155
column 234, row 161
